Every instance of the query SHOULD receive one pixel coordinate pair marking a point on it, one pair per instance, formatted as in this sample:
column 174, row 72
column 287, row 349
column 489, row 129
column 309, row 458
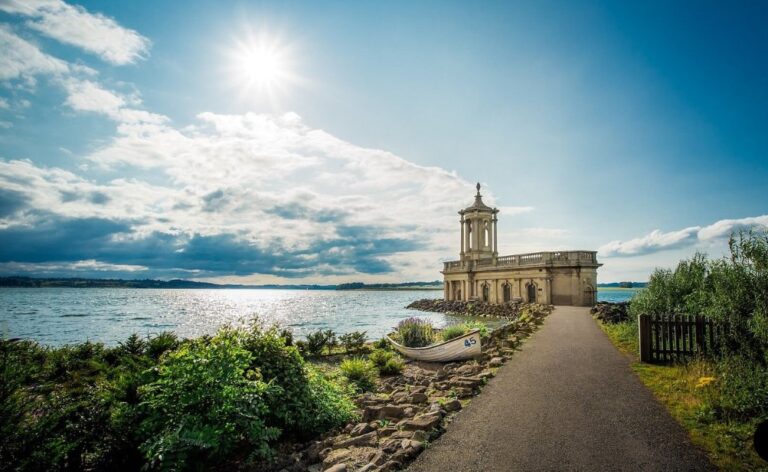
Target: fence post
column 645, row 337
column 701, row 342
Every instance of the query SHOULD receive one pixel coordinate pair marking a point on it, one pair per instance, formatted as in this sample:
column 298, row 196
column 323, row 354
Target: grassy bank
column 719, row 398
column 688, row 393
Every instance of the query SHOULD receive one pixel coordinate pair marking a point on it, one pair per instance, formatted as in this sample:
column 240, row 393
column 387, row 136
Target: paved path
column 567, row 401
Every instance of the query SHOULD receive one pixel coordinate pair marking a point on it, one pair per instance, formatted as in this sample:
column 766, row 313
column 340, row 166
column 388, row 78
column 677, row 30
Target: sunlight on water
column 58, row 316
column 66, row 315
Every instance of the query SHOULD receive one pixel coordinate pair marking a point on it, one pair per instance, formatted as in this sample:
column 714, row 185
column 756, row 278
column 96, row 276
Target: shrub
column 382, row 344
column 393, row 366
column 354, row 341
column 484, row 333
column 453, row 332
column 316, row 341
column 415, row 332
column 379, row 357
column 205, row 402
column 330, row 340
column 360, row 372
column 159, row 344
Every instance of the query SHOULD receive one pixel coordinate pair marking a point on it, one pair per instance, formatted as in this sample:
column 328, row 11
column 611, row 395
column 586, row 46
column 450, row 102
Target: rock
column 313, row 452
column 423, row 423
column 453, row 405
column 337, row 468
column 391, row 412
column 496, row 362
column 368, row 439
column 390, row 445
column 361, row 428
column 371, row 413
column 420, row 436
column 336, row 456
column 390, row 466
column 462, row 392
column 388, row 431
column 468, row 369
column 417, row 398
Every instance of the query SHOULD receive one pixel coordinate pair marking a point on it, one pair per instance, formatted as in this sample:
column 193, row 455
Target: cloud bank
column 657, row 240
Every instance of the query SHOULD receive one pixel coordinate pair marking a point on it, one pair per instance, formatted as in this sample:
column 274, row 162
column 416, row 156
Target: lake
column 57, row 316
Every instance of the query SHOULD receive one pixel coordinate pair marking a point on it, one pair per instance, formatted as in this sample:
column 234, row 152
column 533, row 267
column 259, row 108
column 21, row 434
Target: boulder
column 453, row 405
column 337, row 468
column 360, row 428
column 335, row 457
column 367, row 439
column 423, row 423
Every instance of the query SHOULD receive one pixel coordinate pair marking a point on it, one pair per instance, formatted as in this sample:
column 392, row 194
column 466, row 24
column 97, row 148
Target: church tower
column 478, row 230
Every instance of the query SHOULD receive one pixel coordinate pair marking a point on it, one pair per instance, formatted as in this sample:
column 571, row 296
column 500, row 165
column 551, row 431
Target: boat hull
column 463, row 347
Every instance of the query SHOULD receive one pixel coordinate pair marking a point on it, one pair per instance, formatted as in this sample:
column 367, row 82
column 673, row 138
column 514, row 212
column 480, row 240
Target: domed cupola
column 478, row 230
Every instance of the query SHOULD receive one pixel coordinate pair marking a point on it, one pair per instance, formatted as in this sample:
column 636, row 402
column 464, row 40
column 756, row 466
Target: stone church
column 558, row 278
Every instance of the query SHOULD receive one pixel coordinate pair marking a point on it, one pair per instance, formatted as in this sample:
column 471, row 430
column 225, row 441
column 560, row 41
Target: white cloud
column 74, row 25
column 695, row 235
column 89, row 96
column 724, row 228
column 21, row 59
column 655, row 241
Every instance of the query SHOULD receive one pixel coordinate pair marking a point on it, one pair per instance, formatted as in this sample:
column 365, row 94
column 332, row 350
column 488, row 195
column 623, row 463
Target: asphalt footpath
column 567, row 401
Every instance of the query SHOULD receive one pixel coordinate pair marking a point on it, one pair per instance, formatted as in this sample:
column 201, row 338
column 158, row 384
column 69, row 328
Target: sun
column 262, row 64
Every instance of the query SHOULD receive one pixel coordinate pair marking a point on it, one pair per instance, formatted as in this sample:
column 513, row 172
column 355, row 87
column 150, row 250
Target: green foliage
column 360, row 372
column 379, row 357
column 354, row 341
column 393, row 366
column 330, row 340
column 732, row 291
column 484, row 332
column 316, row 342
column 160, row 402
column 206, row 401
column 453, row 332
column 415, row 332
column 382, row 344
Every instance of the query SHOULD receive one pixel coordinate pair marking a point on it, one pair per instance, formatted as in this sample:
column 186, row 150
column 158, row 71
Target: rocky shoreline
column 409, row 409
column 609, row 312
column 472, row 308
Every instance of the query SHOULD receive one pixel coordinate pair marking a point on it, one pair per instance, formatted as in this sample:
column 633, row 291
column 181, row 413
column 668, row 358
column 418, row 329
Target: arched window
column 531, row 292
column 507, row 289
column 486, row 235
column 486, row 293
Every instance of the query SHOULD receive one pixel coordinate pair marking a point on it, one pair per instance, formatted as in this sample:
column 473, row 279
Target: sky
column 328, row 142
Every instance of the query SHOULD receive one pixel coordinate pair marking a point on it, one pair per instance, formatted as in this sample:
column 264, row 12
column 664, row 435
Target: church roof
column 479, row 205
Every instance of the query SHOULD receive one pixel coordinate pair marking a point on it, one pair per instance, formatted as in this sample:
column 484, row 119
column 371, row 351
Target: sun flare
column 262, row 64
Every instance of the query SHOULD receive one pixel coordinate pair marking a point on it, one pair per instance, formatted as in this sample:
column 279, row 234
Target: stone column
column 495, row 246
column 462, row 236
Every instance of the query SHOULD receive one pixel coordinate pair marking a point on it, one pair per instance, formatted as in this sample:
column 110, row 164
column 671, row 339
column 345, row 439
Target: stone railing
column 522, row 260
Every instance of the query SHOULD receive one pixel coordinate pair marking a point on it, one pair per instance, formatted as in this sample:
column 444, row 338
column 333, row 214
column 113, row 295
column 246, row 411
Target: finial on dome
column 478, row 189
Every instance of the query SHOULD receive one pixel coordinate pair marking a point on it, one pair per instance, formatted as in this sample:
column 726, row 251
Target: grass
column 679, row 387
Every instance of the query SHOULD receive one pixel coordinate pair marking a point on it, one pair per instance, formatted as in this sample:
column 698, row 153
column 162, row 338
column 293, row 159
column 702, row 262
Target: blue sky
column 139, row 139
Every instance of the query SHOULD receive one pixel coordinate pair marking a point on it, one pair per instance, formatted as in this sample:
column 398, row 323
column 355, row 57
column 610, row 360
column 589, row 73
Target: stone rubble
column 411, row 409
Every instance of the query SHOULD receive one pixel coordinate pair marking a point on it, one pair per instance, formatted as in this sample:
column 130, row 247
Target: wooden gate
column 666, row 338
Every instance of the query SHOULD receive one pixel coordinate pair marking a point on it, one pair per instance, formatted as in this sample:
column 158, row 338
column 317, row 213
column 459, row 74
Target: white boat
column 466, row 346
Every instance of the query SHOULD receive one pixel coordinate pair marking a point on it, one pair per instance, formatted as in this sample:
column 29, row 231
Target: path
column 567, row 401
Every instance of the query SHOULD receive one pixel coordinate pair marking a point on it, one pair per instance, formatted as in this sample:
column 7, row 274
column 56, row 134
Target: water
column 615, row 295
column 57, row 316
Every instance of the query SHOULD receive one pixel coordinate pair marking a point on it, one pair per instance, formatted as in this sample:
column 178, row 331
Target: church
column 558, row 278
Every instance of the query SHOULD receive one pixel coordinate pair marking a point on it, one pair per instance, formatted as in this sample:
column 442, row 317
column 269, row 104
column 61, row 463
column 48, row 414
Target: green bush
column 354, row 341
column 415, row 332
column 379, row 357
column 360, row 372
column 382, row 344
column 316, row 342
column 393, row 366
column 453, row 332
column 484, row 332
column 197, row 403
column 206, row 401
column 733, row 291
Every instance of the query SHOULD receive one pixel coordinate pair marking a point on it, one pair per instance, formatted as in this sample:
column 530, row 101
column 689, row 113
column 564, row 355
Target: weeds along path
column 567, row 401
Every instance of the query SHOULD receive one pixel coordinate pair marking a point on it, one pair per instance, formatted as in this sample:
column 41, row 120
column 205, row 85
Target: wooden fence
column 666, row 338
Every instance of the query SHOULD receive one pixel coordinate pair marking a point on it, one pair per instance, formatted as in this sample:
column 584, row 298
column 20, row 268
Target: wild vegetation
column 720, row 399
column 160, row 403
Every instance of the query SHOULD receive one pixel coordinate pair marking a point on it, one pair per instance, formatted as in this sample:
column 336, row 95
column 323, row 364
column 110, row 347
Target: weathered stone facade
column 558, row 278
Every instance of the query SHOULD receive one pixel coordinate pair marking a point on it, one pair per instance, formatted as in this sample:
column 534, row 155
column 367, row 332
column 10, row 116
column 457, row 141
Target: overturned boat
column 465, row 346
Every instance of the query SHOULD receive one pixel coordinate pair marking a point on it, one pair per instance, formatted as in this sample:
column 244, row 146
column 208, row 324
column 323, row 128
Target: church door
column 531, row 293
